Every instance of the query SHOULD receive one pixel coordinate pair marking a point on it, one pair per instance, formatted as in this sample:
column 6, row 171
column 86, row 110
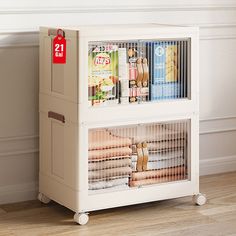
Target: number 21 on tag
column 59, row 48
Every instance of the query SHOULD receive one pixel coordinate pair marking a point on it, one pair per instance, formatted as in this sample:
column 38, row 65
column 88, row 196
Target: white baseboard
column 29, row 191
column 217, row 165
column 18, row 193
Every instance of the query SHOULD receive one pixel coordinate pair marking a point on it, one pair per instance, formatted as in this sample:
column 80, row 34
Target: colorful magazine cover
column 164, row 77
column 171, row 62
column 103, row 73
column 164, row 62
column 159, row 63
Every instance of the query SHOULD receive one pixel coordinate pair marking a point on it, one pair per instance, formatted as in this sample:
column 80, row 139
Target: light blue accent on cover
column 159, row 62
column 165, row 91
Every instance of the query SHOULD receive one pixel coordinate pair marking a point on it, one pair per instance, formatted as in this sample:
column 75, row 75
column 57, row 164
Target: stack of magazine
column 138, row 71
column 168, row 69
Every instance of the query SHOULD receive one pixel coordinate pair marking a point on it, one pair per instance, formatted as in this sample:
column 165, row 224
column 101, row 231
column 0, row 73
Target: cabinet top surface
column 120, row 27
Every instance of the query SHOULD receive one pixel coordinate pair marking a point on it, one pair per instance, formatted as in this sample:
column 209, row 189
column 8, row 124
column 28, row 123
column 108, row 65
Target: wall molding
column 217, row 118
column 19, row 39
column 23, row 137
column 72, row 6
column 18, row 146
column 32, row 14
column 28, row 38
column 112, row 9
column 217, row 125
column 218, row 37
column 217, row 131
column 18, row 153
column 18, row 193
column 217, row 31
column 217, row 165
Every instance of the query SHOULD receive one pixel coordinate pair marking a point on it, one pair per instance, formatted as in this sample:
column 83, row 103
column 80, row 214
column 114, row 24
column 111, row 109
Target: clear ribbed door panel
column 138, row 71
column 134, row 156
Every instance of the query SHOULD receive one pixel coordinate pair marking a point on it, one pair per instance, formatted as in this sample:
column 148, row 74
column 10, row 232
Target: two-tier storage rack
column 119, row 121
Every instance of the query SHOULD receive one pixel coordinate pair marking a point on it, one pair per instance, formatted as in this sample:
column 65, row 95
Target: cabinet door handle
column 56, row 116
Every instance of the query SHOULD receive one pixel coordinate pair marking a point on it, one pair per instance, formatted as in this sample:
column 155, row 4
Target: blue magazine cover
column 164, row 82
column 159, row 61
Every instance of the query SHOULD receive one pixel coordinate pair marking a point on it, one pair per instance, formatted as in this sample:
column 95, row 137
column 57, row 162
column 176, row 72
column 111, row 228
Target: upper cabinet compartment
column 138, row 71
column 59, row 80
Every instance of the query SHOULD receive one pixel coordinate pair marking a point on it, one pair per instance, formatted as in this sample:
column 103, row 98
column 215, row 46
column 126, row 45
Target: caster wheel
column 199, row 199
column 81, row 218
column 44, row 199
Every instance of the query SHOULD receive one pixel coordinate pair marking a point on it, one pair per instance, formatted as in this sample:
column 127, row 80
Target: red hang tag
column 59, row 48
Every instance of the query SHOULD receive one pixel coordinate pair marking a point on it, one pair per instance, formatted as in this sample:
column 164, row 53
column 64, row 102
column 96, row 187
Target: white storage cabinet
column 119, row 121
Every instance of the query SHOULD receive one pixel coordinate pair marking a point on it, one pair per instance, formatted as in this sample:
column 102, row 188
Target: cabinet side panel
column 58, row 139
column 58, row 71
column 45, row 145
column 58, row 154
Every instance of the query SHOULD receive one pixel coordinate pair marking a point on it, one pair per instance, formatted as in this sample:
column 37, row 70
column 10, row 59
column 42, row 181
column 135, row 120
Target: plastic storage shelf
column 119, row 121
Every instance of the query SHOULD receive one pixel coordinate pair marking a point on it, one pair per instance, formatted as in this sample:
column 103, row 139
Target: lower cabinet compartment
column 134, row 156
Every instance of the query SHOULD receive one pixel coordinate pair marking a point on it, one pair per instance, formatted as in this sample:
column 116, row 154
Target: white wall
column 20, row 20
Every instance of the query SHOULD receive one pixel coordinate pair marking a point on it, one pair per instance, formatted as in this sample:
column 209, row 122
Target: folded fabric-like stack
column 109, row 160
column 161, row 160
column 165, row 157
column 153, row 133
column 157, row 176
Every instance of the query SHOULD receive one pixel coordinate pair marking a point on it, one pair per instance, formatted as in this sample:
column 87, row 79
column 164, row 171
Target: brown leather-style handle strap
column 56, row 116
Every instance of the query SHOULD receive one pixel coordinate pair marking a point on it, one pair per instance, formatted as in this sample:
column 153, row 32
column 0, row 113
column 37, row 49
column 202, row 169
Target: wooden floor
column 172, row 217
